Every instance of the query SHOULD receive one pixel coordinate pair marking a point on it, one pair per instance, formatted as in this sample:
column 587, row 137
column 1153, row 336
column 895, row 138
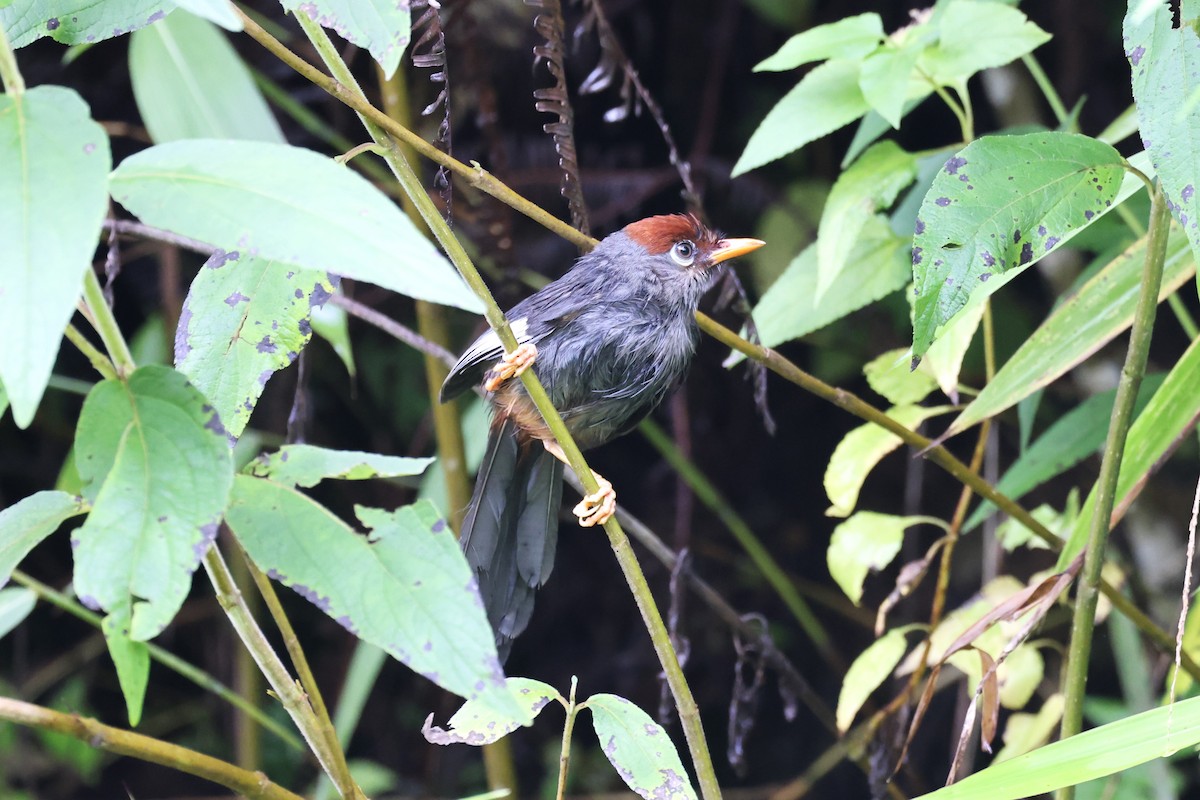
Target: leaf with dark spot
column 240, row 324
column 158, row 469
column 1025, row 187
column 478, row 724
column 370, row 582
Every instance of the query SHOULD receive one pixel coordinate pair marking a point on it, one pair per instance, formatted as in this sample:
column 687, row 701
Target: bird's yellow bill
column 732, row 248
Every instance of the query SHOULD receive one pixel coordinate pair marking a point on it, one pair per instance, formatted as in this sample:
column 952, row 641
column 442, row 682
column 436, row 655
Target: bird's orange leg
column 593, row 509
column 511, row 366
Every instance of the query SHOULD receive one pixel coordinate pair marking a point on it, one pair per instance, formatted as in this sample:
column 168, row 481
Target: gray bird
column 610, row 339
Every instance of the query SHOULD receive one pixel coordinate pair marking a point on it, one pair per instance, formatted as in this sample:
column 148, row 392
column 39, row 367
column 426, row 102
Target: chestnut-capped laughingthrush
column 610, row 338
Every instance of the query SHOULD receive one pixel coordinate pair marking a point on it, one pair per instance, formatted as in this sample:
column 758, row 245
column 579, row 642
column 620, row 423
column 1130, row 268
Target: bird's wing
column 481, row 355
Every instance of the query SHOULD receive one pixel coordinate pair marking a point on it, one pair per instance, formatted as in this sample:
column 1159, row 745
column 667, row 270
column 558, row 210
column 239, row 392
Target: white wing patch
column 488, row 347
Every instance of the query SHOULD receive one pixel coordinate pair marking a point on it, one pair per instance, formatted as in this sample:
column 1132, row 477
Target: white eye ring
column 683, row 253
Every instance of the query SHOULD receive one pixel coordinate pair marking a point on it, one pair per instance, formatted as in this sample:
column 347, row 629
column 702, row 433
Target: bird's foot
column 596, row 508
column 511, row 366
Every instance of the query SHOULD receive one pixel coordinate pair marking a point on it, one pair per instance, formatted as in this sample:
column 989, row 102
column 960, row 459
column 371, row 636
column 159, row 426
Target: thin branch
column 393, row 328
column 1075, row 681
column 146, row 748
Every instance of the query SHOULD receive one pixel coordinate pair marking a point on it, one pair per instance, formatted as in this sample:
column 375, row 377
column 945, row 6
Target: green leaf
column 889, row 375
column 1073, row 437
column 974, row 36
column 290, row 205
column 1165, row 62
column 877, row 266
column 218, row 11
column 406, row 587
column 944, row 357
column 381, row 26
column 478, row 724
column 16, row 603
column 1001, row 204
column 307, row 465
column 78, row 21
column 1101, row 310
column 1167, row 419
column 868, row 672
column 24, row 524
column 53, row 163
column 826, row 98
column 639, row 749
column 860, row 450
column 867, row 541
column 189, row 83
column 132, row 660
column 869, row 185
column 157, row 462
column 3, row 401
column 332, row 324
column 244, row 319
column 885, row 79
column 852, row 37
column 1092, row 754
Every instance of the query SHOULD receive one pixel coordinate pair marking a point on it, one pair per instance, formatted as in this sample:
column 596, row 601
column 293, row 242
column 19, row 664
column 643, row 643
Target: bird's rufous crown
column 659, row 234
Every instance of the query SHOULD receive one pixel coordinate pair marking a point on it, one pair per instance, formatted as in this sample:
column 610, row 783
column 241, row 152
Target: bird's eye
column 683, row 253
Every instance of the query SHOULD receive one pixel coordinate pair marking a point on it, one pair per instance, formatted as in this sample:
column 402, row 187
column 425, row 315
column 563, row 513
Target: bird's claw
column 511, row 366
column 598, row 507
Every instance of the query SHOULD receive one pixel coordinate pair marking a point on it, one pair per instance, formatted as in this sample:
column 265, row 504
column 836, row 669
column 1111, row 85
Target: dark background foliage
column 695, row 57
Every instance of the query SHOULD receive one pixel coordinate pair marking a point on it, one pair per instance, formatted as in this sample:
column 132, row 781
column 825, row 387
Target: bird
column 608, row 340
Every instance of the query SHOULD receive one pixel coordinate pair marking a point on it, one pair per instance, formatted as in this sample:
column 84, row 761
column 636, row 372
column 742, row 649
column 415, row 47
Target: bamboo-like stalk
column 127, row 743
column 1087, row 591
column 689, row 713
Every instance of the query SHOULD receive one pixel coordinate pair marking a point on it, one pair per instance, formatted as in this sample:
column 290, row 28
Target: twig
column 146, row 748
column 393, row 328
column 1086, row 597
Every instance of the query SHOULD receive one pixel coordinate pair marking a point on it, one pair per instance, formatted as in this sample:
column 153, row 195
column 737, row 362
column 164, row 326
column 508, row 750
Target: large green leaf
column 1092, row 754
column 1101, row 310
column 406, row 587
column 289, row 205
column 1165, row 62
column 639, row 749
column 1170, row 416
column 869, row 185
column 826, row 98
column 1073, row 437
column 157, row 462
column 974, row 35
column 852, row 37
column 877, row 265
column 26, row 523
column 886, row 81
column 53, row 163
column 244, row 318
column 189, row 83
column 79, row 21
column 308, row 465
column 381, row 26
column 1000, row 204
column 16, row 603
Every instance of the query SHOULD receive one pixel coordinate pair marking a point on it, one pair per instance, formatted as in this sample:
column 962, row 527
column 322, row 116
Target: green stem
column 136, row 745
column 689, row 714
column 767, row 565
column 106, row 324
column 10, row 74
column 286, row 689
column 1087, row 593
column 564, row 753
column 167, row 659
column 342, row 779
column 939, row 455
column 1048, row 91
column 100, row 362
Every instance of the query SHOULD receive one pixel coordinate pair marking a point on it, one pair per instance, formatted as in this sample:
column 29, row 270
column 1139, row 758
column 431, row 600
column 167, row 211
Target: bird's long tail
column 511, row 529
